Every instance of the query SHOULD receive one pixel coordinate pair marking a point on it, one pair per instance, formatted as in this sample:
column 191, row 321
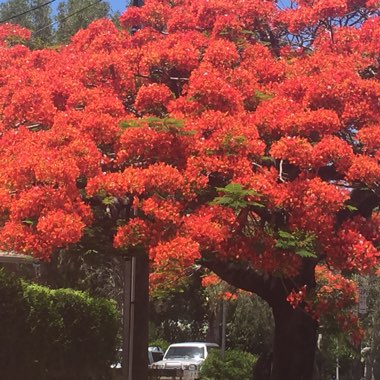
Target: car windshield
column 185, row 352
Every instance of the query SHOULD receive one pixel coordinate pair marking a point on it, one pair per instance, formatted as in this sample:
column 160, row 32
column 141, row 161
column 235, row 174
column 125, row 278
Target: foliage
column 336, row 305
column 335, row 346
column 234, row 196
column 68, row 25
column 14, row 7
column 162, row 343
column 178, row 171
column 97, row 272
column 301, row 244
column 371, row 323
column 41, row 23
column 179, row 315
column 250, row 327
column 13, row 312
column 249, row 321
column 279, row 101
column 235, row 365
column 65, row 334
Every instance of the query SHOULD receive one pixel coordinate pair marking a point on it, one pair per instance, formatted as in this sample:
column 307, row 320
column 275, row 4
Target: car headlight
column 193, row 367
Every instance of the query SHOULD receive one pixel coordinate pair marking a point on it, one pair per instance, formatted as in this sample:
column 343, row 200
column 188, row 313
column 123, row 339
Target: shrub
column 76, row 333
column 13, row 312
column 235, row 365
column 58, row 334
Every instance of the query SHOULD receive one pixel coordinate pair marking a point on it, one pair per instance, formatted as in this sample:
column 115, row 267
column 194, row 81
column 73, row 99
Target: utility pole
column 128, row 315
column 224, row 322
column 135, row 315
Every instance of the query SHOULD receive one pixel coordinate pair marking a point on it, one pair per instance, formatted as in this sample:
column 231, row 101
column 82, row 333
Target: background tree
column 249, row 321
column 371, row 321
column 14, row 7
column 71, row 17
column 250, row 327
column 41, row 21
column 179, row 314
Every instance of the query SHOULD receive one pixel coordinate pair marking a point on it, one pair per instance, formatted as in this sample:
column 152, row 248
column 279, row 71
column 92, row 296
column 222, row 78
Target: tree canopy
column 242, row 136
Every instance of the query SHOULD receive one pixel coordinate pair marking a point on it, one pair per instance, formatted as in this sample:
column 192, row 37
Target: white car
column 187, row 357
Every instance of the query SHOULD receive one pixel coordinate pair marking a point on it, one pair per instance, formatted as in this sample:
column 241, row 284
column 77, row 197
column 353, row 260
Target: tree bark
column 295, row 341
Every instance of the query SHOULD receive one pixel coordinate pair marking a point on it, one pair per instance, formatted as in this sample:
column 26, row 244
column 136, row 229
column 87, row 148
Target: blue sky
column 116, row 5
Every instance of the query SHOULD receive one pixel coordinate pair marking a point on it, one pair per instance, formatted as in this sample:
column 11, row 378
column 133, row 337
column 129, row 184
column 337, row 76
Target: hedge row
column 58, row 334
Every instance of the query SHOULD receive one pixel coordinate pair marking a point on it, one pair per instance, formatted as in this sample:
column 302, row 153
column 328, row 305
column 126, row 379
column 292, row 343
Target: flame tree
column 240, row 136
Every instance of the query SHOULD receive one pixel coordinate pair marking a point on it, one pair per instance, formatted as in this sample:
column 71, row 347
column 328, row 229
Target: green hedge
column 13, row 329
column 58, row 334
column 235, row 365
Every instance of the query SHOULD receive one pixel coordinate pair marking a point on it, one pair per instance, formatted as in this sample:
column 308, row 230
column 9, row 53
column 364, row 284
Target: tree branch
column 271, row 289
column 244, row 277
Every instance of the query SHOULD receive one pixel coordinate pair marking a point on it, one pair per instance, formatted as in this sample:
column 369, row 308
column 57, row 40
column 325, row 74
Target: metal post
column 135, row 317
column 224, row 312
column 132, row 318
column 337, row 369
column 141, row 321
column 127, row 325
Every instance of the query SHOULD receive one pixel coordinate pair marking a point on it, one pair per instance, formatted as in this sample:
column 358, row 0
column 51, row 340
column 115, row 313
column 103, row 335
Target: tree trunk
column 295, row 337
column 295, row 341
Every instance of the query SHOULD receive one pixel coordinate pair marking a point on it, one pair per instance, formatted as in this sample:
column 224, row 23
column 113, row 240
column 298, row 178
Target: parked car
column 187, row 357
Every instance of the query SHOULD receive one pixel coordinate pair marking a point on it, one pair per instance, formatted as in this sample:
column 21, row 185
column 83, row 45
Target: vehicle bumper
column 170, row 374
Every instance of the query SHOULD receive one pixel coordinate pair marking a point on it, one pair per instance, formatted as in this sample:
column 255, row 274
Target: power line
column 68, row 16
column 26, row 12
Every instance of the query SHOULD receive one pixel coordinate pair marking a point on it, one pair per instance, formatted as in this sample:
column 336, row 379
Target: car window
column 185, row 352
column 157, row 356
